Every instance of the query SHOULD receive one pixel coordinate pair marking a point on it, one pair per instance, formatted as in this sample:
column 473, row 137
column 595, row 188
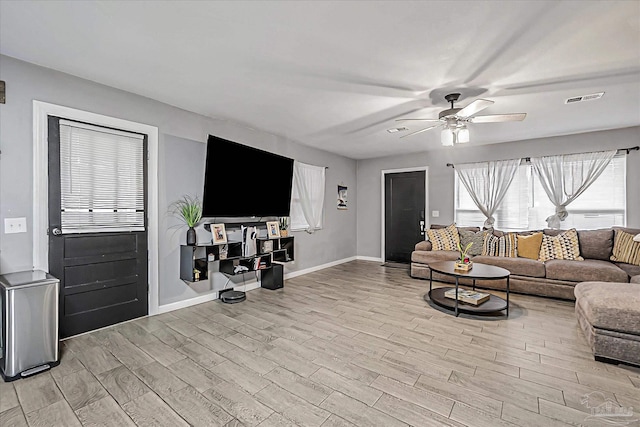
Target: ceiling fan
column 454, row 120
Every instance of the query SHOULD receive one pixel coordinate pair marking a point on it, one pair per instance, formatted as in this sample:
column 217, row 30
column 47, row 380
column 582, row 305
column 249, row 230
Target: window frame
column 534, row 191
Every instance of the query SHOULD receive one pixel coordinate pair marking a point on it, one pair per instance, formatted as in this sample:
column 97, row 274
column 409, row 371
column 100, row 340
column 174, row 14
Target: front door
column 97, row 224
column 404, row 214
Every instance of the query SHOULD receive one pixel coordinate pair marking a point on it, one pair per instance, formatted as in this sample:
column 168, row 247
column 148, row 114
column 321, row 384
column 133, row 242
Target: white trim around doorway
column 41, row 110
column 382, row 201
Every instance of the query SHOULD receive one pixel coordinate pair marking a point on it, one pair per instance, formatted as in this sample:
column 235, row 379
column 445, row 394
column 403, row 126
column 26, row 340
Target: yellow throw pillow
column 444, row 239
column 625, row 249
column 500, row 246
column 529, row 246
column 562, row 246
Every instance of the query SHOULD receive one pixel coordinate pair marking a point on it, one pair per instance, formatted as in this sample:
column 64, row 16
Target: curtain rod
column 620, row 151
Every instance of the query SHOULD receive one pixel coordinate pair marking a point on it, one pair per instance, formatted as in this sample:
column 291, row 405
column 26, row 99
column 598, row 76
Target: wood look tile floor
column 355, row 344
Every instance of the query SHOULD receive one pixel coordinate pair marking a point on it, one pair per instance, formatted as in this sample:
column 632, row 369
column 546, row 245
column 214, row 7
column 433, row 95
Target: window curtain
column 487, row 184
column 308, row 190
column 566, row 177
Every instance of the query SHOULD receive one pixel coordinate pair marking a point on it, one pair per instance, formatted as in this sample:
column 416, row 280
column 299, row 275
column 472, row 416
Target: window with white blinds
column 101, row 179
column 526, row 205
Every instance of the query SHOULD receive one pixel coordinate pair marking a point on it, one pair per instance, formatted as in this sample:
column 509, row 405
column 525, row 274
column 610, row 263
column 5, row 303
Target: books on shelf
column 470, row 297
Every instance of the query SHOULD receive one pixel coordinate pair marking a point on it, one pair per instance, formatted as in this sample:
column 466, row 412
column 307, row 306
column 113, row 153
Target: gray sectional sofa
column 553, row 278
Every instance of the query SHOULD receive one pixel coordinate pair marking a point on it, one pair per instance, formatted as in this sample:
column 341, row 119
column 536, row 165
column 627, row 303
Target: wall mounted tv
column 242, row 181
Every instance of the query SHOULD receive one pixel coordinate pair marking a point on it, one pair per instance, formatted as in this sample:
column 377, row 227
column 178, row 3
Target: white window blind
column 526, row 205
column 101, row 179
column 307, row 197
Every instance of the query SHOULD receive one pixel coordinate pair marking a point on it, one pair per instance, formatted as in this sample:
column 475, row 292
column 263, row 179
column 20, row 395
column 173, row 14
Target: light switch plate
column 15, row 225
column 435, row 214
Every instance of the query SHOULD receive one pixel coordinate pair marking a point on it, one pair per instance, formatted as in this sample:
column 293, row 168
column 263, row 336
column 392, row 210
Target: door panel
column 404, row 214
column 103, row 275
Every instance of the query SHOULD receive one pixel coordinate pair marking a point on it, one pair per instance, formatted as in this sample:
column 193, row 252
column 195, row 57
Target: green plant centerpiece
column 189, row 210
column 464, row 257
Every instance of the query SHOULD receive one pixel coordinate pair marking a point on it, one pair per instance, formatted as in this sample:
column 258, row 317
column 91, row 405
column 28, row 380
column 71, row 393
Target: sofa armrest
column 425, row 245
column 635, row 279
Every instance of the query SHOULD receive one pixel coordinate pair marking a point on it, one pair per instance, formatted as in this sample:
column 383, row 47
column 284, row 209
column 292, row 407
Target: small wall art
column 342, row 197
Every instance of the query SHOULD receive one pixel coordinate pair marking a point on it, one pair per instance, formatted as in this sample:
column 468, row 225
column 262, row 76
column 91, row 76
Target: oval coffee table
column 479, row 271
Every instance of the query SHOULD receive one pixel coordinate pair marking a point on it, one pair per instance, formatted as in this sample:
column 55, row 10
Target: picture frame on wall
column 273, row 229
column 218, row 233
column 342, row 197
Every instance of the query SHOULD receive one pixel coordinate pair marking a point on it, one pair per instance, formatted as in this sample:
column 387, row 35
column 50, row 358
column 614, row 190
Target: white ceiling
column 335, row 75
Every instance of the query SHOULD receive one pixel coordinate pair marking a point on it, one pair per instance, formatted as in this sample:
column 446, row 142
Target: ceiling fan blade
column 420, row 131
column 496, row 118
column 418, row 120
column 476, row 106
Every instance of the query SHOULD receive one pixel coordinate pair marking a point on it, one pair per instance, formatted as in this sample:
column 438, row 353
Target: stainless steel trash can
column 29, row 323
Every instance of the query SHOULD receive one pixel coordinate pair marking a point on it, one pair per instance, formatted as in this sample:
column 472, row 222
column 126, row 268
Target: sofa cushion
column 504, row 246
column 563, row 246
column 518, row 266
column 584, row 271
column 444, row 239
column 625, row 249
column 596, row 244
column 529, row 246
column 635, row 279
column 425, row 257
column 630, row 269
column 475, row 238
column 611, row 306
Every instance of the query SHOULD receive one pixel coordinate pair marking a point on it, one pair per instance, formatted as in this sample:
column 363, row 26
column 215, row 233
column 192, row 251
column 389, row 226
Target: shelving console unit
column 196, row 261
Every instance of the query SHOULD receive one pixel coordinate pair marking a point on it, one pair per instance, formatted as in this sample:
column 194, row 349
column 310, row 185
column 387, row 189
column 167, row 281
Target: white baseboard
column 165, row 308
column 368, row 258
column 317, row 268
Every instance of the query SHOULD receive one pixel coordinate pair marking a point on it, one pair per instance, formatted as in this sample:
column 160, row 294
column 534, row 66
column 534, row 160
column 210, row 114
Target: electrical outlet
column 15, row 225
column 435, row 214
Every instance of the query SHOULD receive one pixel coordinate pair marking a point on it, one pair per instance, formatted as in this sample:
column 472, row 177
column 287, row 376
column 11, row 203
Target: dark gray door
column 97, row 224
column 404, row 214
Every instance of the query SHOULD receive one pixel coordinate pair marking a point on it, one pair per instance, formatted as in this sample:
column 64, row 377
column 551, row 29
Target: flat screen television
column 242, row 181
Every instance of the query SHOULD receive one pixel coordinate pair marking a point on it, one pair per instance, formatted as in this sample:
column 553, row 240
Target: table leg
column 456, row 296
column 507, row 296
column 474, row 284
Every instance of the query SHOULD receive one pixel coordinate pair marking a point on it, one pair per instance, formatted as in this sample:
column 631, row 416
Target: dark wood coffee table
column 479, row 271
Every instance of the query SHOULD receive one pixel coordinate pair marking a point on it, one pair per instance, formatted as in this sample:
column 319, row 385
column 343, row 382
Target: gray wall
column 180, row 172
column 441, row 178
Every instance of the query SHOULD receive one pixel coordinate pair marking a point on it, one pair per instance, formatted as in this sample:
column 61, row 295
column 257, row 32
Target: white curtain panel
column 487, row 184
column 566, row 177
column 308, row 187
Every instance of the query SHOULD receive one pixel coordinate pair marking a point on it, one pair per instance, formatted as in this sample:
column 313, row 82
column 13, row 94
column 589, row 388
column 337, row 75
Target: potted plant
column 284, row 226
column 464, row 258
column 189, row 210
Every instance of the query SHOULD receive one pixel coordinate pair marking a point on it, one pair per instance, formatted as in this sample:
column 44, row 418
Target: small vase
column 284, row 233
column 191, row 236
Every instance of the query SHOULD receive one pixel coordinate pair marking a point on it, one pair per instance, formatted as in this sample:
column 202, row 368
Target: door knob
column 56, row 231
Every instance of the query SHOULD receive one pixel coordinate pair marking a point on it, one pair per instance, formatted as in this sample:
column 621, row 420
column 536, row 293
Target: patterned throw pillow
column 444, row 239
column 474, row 237
column 625, row 249
column 529, row 246
column 563, row 246
column 500, row 246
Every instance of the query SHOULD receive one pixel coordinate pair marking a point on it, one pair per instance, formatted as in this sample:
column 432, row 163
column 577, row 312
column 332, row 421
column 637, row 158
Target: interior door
column 404, row 214
column 97, row 224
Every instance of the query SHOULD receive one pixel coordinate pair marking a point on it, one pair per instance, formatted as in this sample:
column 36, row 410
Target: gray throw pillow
column 476, row 238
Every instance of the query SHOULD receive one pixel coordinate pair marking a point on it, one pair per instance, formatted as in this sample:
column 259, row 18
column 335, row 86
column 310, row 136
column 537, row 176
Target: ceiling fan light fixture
column 463, row 135
column 447, row 137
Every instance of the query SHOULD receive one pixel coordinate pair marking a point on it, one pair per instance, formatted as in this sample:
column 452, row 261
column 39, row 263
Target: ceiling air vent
column 589, row 97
